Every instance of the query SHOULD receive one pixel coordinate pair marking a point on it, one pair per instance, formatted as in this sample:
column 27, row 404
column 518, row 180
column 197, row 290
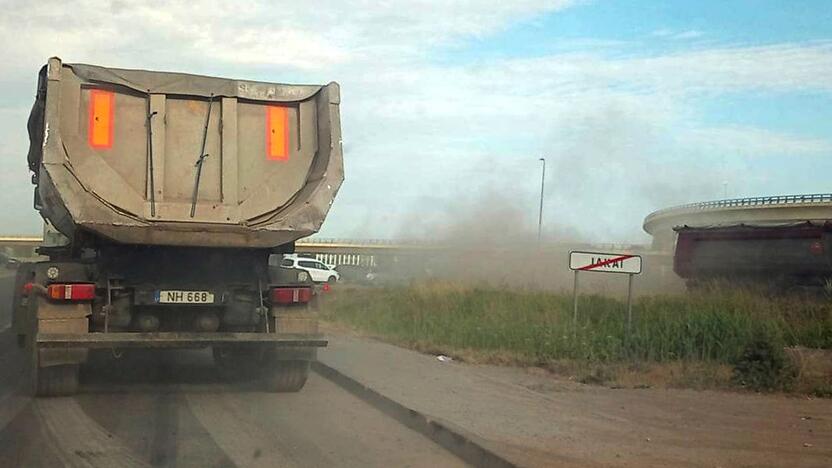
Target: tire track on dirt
column 78, row 440
column 322, row 425
column 163, row 446
column 245, row 443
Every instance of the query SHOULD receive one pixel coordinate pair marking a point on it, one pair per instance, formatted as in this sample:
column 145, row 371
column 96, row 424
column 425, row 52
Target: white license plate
column 184, row 297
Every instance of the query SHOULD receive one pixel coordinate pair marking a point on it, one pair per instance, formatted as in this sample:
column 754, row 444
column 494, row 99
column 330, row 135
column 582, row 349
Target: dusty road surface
column 533, row 419
column 170, row 410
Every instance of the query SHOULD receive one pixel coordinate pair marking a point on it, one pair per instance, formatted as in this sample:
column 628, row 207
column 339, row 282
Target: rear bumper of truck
column 176, row 340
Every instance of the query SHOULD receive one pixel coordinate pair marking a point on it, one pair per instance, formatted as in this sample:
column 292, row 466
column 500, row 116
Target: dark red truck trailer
column 782, row 255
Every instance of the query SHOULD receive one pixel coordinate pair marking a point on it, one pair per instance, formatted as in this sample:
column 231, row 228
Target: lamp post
column 540, row 214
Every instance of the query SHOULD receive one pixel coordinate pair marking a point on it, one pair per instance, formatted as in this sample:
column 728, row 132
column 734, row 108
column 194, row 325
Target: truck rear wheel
column 57, row 380
column 286, row 376
column 242, row 364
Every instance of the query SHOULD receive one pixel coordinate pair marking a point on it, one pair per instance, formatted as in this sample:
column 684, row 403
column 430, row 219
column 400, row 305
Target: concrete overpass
column 753, row 210
column 363, row 252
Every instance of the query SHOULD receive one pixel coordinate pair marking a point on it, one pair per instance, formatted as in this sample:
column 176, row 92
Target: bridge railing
column 330, row 240
column 749, row 201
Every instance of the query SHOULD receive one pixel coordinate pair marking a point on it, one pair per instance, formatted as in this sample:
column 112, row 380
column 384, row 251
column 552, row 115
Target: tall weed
column 713, row 325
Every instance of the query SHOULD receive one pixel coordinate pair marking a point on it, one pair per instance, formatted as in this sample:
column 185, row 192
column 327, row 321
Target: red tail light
column 27, row 288
column 285, row 296
column 71, row 292
column 816, row 247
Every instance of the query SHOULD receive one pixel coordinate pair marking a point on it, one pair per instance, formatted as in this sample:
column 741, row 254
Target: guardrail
column 366, row 243
column 773, row 200
column 328, row 240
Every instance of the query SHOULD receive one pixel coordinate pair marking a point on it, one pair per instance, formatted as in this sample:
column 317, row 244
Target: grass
column 710, row 328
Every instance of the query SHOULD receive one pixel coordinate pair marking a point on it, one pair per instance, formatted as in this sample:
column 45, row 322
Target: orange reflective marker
column 102, row 104
column 277, row 133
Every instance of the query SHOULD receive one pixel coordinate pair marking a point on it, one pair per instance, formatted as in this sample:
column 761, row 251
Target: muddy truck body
column 168, row 201
column 779, row 257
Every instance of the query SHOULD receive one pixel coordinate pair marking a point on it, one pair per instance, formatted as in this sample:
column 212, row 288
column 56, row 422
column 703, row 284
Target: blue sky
column 729, row 21
column 447, row 106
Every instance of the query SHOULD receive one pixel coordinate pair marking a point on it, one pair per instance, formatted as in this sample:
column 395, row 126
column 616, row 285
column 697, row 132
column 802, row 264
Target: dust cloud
column 488, row 239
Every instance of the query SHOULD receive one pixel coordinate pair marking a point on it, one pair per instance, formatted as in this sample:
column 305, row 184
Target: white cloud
column 753, row 141
column 689, row 34
column 778, row 67
column 311, row 34
column 678, row 35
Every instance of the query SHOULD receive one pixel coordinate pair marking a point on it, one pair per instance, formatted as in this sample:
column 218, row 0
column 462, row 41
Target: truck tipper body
column 168, row 200
column 780, row 255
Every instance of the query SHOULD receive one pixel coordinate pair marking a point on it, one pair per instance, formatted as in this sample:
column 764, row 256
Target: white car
column 319, row 272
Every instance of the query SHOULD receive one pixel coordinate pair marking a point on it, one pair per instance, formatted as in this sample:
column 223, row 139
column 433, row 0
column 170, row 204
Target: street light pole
column 540, row 215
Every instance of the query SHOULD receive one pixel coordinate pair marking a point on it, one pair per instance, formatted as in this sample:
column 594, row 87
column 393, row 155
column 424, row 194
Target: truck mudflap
column 177, row 340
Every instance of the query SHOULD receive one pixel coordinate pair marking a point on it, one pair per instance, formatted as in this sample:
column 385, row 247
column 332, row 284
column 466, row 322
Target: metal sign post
column 604, row 263
column 575, row 304
column 629, row 303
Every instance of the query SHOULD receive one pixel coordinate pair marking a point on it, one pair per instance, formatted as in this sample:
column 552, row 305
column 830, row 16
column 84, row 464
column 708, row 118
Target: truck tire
column 245, row 364
column 286, row 376
column 57, row 380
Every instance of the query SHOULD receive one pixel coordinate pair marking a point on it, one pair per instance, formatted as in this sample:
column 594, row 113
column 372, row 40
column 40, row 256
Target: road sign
column 605, row 262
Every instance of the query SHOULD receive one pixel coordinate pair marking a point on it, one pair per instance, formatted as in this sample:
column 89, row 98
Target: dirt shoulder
column 535, row 419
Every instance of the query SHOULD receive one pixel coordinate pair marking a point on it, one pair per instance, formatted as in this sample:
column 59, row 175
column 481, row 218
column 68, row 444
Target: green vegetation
column 764, row 366
column 536, row 328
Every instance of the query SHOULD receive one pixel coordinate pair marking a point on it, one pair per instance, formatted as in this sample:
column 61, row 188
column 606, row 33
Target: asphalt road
column 168, row 408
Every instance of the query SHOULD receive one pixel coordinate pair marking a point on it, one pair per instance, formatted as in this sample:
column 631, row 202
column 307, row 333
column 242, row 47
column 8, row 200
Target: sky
column 447, row 106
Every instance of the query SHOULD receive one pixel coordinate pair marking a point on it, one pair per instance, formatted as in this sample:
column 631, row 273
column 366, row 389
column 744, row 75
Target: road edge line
column 451, row 439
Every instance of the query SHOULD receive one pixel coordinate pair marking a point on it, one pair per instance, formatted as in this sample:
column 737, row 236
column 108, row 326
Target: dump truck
column 781, row 257
column 168, row 201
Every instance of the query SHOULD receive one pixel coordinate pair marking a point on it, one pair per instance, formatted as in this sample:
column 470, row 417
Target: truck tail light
column 27, row 288
column 71, row 292
column 286, row 296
